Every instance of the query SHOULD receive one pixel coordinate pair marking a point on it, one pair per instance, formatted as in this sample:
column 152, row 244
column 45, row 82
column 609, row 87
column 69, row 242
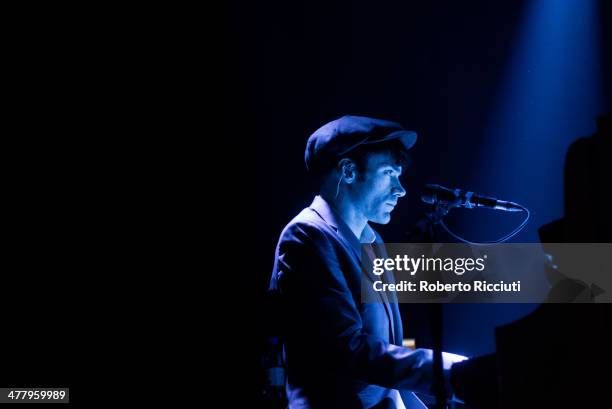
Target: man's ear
column 348, row 170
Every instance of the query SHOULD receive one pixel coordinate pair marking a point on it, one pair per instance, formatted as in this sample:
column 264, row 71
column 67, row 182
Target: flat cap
column 340, row 136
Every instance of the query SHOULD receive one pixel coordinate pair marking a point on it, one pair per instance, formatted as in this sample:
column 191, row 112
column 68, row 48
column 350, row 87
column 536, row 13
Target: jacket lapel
column 324, row 210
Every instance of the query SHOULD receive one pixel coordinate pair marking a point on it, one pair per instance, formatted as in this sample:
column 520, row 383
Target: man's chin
column 383, row 219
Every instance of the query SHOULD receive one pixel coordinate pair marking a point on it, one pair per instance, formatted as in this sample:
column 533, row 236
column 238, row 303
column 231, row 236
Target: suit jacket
column 339, row 352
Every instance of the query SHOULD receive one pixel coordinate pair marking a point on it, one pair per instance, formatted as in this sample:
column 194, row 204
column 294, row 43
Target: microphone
column 434, row 194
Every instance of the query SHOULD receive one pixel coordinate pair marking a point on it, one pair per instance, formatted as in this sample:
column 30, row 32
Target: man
column 340, row 352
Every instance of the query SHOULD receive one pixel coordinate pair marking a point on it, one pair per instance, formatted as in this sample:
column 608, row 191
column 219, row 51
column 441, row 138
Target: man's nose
column 398, row 190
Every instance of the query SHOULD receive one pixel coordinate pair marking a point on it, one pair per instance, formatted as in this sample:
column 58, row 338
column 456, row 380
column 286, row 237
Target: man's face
column 377, row 190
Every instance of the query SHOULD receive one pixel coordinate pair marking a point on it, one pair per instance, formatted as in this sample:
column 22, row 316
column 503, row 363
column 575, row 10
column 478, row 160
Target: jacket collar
column 332, row 218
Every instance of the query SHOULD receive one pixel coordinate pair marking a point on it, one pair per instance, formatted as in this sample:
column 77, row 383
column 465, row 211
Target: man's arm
column 319, row 299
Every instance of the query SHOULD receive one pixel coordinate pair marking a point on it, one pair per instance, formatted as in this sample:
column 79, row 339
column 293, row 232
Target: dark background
column 497, row 91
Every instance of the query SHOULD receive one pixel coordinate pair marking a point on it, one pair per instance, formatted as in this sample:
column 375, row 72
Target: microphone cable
column 500, row 240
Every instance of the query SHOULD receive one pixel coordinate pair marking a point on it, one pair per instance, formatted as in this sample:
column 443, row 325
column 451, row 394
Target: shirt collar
column 368, row 235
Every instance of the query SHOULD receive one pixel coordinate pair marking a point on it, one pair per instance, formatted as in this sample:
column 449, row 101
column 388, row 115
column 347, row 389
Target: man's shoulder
column 308, row 224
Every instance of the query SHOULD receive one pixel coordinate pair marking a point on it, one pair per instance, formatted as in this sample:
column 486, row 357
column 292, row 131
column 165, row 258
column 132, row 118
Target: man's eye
column 388, row 172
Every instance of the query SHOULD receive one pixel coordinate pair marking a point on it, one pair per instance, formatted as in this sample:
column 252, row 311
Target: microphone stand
column 437, row 213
